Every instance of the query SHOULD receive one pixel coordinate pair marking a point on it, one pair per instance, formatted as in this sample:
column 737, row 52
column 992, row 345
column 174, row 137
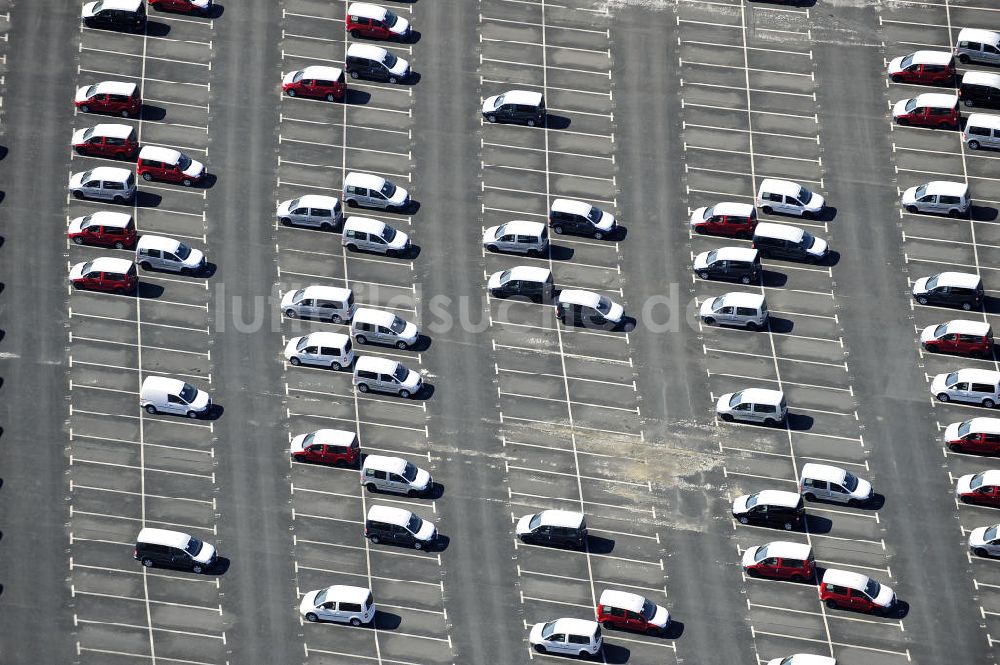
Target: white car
column 985, row 541
column 803, row 659
column 939, row 197
column 341, row 603
column 577, row 637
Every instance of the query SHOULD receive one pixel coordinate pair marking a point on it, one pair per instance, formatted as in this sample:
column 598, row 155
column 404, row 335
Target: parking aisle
column 320, row 141
column 935, row 244
column 750, row 113
column 566, row 392
column 130, row 469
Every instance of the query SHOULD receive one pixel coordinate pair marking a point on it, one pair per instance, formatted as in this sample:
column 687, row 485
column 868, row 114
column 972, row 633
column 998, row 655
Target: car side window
column 742, row 407
column 114, row 185
column 330, row 351
column 396, row 478
column 557, row 637
column 525, row 239
column 173, row 399
column 617, row 612
column 960, row 386
column 990, row 49
column 579, row 639
column 386, row 378
column 983, row 388
column 773, row 561
column 365, row 374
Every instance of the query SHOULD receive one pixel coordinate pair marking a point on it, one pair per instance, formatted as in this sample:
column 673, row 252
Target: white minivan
column 160, row 394
column 340, row 603
column 381, row 327
column 331, row 303
column 380, row 473
column 573, row 637
column 831, row 483
column 160, row 253
column 745, row 310
column 326, row 349
column 109, row 183
column 753, row 405
column 978, row 386
column 371, row 235
column 372, row 191
column 385, row 376
column 311, row 210
column 789, row 198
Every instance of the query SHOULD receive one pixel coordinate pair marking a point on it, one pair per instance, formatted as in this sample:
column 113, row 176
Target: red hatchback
column 109, row 97
column 781, row 560
column 106, row 141
column 726, row 219
column 923, row 67
column 109, row 229
column 326, row 446
column 629, row 611
column 196, row 7
column 931, row 109
column 967, row 338
column 982, row 489
column 105, row 274
column 978, row 435
column 376, row 22
column 315, row 81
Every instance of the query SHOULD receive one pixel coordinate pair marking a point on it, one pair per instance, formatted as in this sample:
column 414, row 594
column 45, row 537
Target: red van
column 923, row 67
column 109, row 97
column 982, row 489
column 978, row 435
column 108, row 229
column 781, row 560
column 315, row 81
column 106, row 141
column 376, row 22
column 726, row 219
column 854, row 591
column 169, row 165
column 105, row 274
column 930, row 109
column 629, row 611
column 196, row 7
column 326, row 446
column 967, row 338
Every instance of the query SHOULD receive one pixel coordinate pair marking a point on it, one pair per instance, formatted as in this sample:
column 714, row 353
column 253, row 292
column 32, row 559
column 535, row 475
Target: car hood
column 195, row 170
column 76, row 180
column 284, row 207
column 698, row 216
column 749, row 556
column 286, row 299
column 289, row 78
column 494, row 280
column 88, row 9
column 78, row 136
column 490, row 104
column 402, row 26
column 201, row 401
column 909, row 196
column 927, row 334
column 81, row 94
column 308, row 602
column 535, row 636
column 701, row 261
column 938, row 385
column 607, row 222
column 816, row 203
column 951, row 432
column 978, row 536
column 400, row 241
column 722, row 404
column 490, row 234
column 661, row 618
column 964, row 486
column 895, row 65
column 740, row 504
column 400, row 196
column 886, row 596
column 522, row 526
column 616, row 313
column 194, row 259
column 410, row 333
column 206, row 555
column 863, row 491
column 401, row 67
column 412, row 382
column 920, row 286
column 292, row 346
column 819, row 247
column 706, row 307
column 296, row 444
column 76, row 271
column 899, row 108
column 426, row 532
column 422, row 481
column 75, row 225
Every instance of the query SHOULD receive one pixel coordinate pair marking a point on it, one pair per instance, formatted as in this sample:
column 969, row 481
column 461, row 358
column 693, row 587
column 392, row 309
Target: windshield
column 951, row 379
column 595, row 214
column 735, row 399
column 807, row 239
column 413, row 525
column 963, row 428
column 906, row 62
column 308, row 440
column 86, row 267
column 398, row 325
column 910, row 105
column 501, row 230
column 184, row 162
column 91, row 91
column 390, row 18
column 499, row 101
column 761, row 554
column 410, row 472
column 303, row 343
column 752, row 501
column 320, row 598
column 872, row 588
column 921, row 190
column 86, row 176
column 548, row 628
column 85, row 222
column 88, row 133
column 388, row 189
column 188, row 393
column 603, row 305
column 709, row 212
column 400, row 373
column 297, row 77
column 183, row 251
column 390, row 60
column 787, row 661
column 505, row 277
column 193, row 546
column 648, row 610
column 991, row 533
column 977, row 481
column 710, row 259
column 98, row 6
column 719, row 303
column 388, row 233
column 941, row 329
column 535, row 521
column 850, row 482
column 932, row 282
column 293, row 204
column 804, row 195
column 297, row 296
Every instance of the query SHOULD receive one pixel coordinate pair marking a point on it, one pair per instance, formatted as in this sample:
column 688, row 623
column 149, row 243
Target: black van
column 562, row 528
column 522, row 282
column 980, row 89
column 740, row 264
column 115, row 14
column 781, row 241
column 396, row 526
column 173, row 549
column 770, row 508
column 517, row 106
column 368, row 61
column 953, row 289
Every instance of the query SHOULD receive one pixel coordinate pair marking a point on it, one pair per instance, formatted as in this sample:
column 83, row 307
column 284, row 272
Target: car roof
column 526, row 97
column 810, row 659
column 779, row 498
column 366, row 224
column 968, row 327
column 156, row 242
column 938, row 99
column 317, row 200
column 978, row 35
column 991, row 477
column 163, row 383
column 974, row 374
column 762, row 395
column 367, row 10
column 127, row 5
column 985, row 425
column 110, row 173
column 831, row 474
column 334, row 437
column 523, row 226
column 376, row 364
column 116, row 88
column 845, row 578
column 372, row 315
column 735, row 209
column 982, row 120
column 566, row 518
column 575, row 626
column 113, row 130
column 736, row 254
column 963, row 279
column 789, row 550
column 322, row 72
column 348, row 594
column 109, row 218
column 369, row 51
column 163, row 537
column 111, row 264
column 947, row 187
column 778, row 186
column 530, row 273
column 384, row 462
column 368, row 180
column 389, row 514
column 160, row 154
column 744, row 299
column 932, row 57
column 326, row 292
column 982, row 78
column 578, row 297
column 623, row 599
column 783, row 231
column 572, row 206
column 322, row 337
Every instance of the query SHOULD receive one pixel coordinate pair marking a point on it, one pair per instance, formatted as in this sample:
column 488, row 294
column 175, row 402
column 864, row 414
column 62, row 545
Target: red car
column 108, row 229
column 854, row 591
column 326, row 446
column 726, row 219
column 315, row 81
column 629, row 611
column 106, row 141
column 196, row 7
column 978, row 435
column 376, row 22
column 967, row 338
column 923, row 67
column 982, row 489
column 781, row 560
column 168, row 165
column 930, row 109
column 113, row 97
column 105, row 274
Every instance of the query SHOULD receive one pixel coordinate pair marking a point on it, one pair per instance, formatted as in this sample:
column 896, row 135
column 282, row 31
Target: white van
column 940, row 197
column 394, row 474
column 975, row 45
column 108, row 183
column 574, row 637
column 326, row 349
column 789, row 198
column 173, row 549
column 372, row 191
column 381, row 327
column 517, row 236
column 754, row 405
column 311, row 210
column 371, row 235
column 982, row 130
column 385, row 376
column 978, row 386
column 319, row 302
column 160, row 253
column 747, row 310
column 160, row 394
column 340, row 603
column 831, row 483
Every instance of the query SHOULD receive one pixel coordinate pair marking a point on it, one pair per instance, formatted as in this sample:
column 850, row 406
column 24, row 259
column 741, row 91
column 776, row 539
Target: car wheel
column 84, row 109
column 326, row 226
column 767, row 210
column 294, row 361
column 770, row 422
column 197, row 569
column 608, row 625
column 540, row 648
column 558, row 229
column 831, row 603
column 400, row 345
column 492, row 248
column 353, row 203
column 709, row 321
column 973, row 145
column 355, row 621
column 147, row 177
column 286, row 221
column 391, row 253
column 148, row 563
column 787, row 526
column 955, row 447
column 700, row 230
column 118, row 244
column 653, row 632
column 922, row 300
column 902, row 121
column 598, row 235
column 361, row 339
column 966, row 306
column 930, row 348
column 356, row 34
column 531, row 123
column 745, row 279
column 703, row 274
column 186, row 182
column 879, row 611
column 77, row 194
column 363, row 387
column 584, row 654
column 335, row 318
column 728, row 417
column 912, row 209
column 404, row 393
column 290, row 92
column 969, row 102
column 376, row 540
column 351, row 247
column 192, row 414
column 393, row 80
column 290, row 313
column 330, row 97
column 806, row 214
column 896, row 78
column 79, row 241
column 119, row 199
column 371, row 487
column 744, row 520
column 311, row 617
column 417, row 545
column 988, row 403
column 354, row 75
column 145, row 265
column 491, row 118
column 943, row 397
column 751, row 326
column 966, row 499
column 150, row 409
column 979, row 551
column 964, row 59
column 335, row 366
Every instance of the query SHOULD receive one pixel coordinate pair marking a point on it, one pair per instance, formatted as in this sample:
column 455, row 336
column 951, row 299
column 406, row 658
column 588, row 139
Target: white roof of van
column 575, row 626
column 114, row 88
column 323, row 337
column 375, row 364
column 743, row 299
column 976, row 375
column 936, row 99
column 983, row 120
column 776, row 186
column 734, row 209
column 810, row 659
column 985, row 425
column 789, row 550
column 783, row 231
column 113, row 130
column 322, row 72
column 845, row 578
column 369, row 51
column 368, row 180
column 522, row 226
column 978, row 35
column 968, row 327
column 316, row 201
column 388, row 514
column 779, row 498
column 762, row 396
column 578, row 297
column 111, row 264
column 572, row 206
column 393, row 464
column 830, row 474
column 163, row 537
column 627, row 601
column 160, row 154
column 366, row 224
column 326, row 292
column 370, row 315
column 127, row 5
column 347, row 594
column 157, row 242
column 367, row 10
column 947, row 188
column 108, row 218
column 525, row 97
column 982, row 78
column 932, row 57
column 736, row 254
column 530, row 273
column 162, row 383
column 961, row 279
column 110, row 173
column 333, row 437
column 565, row 518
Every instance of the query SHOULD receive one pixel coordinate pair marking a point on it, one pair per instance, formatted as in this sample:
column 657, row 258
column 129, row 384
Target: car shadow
column 628, row 324
column 214, row 412
column 982, row 214
column 356, row 97
column 413, row 38
column 411, row 209
column 599, row 545
column 674, row 630
column 560, row 252
column 772, row 279
column 441, row 544
column 148, row 291
column 832, row 259
column 385, row 620
column 556, row 121
column 829, row 213
column 144, row 199
column 215, row 12
column 425, row 393
column 901, row 610
column 613, row 653
column 412, row 253
column 875, row 503
column 411, row 80
column 221, row 566
column 619, row 234
column 208, row 271
column 157, row 29
column 435, row 492
column 3, row 152
column 422, row 344
column 799, row 422
column 148, row 112
column 208, row 181
column 991, row 304
column 817, row 524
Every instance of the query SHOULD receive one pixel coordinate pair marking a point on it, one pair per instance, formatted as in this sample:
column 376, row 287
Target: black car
column 738, row 264
column 770, row 508
column 515, row 106
column 781, row 241
column 522, row 282
column 173, row 549
column 115, row 14
column 952, row 289
column 374, row 62
column 561, row 528
column 570, row 216
column 980, row 89
column 396, row 526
